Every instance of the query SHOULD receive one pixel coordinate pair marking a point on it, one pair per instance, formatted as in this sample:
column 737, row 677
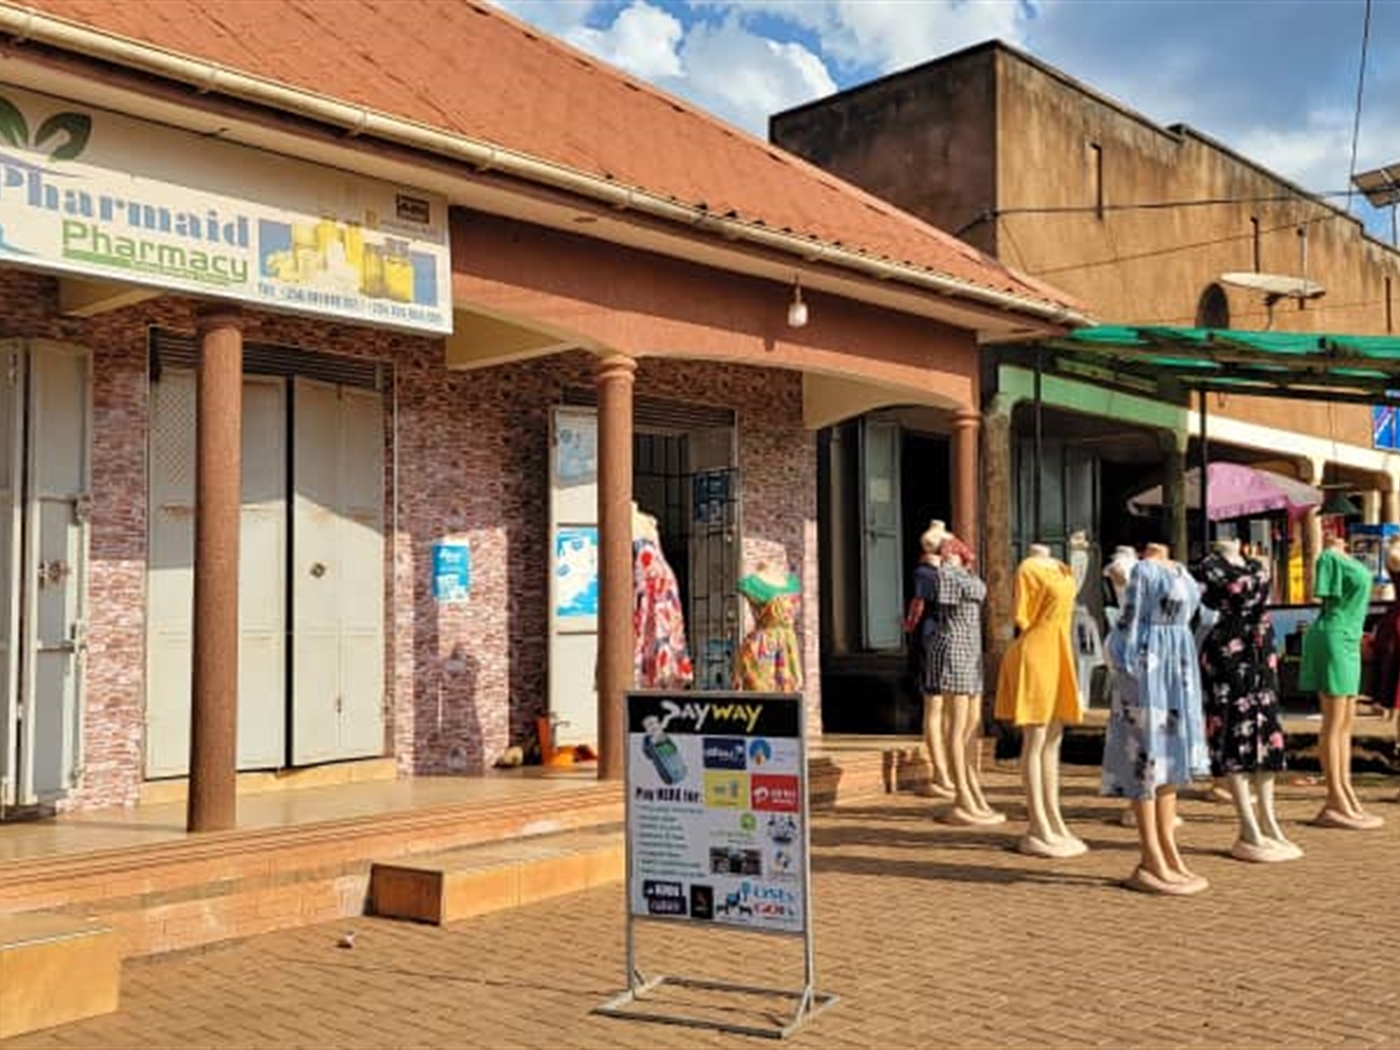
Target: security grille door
column 881, row 539
column 261, row 575
column 337, row 573
column 11, row 443
column 55, row 557
column 573, row 575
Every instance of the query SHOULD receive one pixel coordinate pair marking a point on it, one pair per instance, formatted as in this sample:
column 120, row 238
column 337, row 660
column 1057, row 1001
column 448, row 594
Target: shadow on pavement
column 952, row 871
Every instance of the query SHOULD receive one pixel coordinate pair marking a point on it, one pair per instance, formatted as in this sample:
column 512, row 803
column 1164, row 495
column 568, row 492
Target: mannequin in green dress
column 1332, row 667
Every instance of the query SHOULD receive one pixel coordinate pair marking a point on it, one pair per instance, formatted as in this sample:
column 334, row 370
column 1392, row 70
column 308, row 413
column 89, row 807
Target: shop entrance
column 884, row 477
column 45, row 427
column 311, row 565
column 684, row 474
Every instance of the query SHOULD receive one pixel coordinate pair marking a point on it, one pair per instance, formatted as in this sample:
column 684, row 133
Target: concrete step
column 458, row 884
column 55, row 969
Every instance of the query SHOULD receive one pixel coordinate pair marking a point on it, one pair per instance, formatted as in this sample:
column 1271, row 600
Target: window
column 1389, row 310
column 1254, row 241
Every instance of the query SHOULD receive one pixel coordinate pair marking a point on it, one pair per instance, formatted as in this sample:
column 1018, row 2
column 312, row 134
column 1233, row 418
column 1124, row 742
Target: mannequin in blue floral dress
column 1156, row 730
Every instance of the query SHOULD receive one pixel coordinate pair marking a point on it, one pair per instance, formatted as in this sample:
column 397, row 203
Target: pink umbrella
column 1237, row 491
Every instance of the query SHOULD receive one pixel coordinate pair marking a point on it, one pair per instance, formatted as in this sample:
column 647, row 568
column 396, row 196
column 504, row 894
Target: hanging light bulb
column 797, row 309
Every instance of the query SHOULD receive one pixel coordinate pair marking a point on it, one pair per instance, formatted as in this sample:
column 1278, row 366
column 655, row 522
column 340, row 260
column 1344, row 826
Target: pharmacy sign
column 97, row 194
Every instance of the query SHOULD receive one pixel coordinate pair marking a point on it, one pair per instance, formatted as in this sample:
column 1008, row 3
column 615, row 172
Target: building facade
column 317, row 387
column 1142, row 222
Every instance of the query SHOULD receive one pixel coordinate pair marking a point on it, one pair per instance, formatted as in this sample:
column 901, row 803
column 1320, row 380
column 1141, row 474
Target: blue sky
column 1274, row 79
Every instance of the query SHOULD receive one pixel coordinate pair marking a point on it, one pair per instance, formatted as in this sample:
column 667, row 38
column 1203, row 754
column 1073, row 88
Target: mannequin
column 1384, row 687
column 660, row 657
column 1156, row 733
column 1037, row 690
column 1088, row 642
column 1332, row 667
column 770, row 660
column 1385, row 643
column 921, row 620
column 1117, row 573
column 957, row 674
column 1239, row 676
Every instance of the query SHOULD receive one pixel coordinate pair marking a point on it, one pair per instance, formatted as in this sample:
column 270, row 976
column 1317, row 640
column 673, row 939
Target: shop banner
column 716, row 809
column 93, row 193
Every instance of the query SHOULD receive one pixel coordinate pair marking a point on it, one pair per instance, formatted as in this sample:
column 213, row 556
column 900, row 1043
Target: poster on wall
column 452, row 572
column 98, row 194
column 576, row 572
column 716, row 809
column 576, row 454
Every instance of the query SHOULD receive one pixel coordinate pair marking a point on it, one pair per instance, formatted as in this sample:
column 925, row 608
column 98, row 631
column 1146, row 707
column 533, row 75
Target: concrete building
column 332, row 333
column 1139, row 221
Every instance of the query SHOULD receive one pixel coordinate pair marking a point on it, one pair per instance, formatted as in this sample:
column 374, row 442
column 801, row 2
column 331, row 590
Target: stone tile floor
column 930, row 935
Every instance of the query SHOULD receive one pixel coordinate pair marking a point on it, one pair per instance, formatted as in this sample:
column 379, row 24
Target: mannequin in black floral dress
column 1239, row 672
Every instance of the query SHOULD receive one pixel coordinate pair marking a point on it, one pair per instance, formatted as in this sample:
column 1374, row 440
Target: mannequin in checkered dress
column 956, row 672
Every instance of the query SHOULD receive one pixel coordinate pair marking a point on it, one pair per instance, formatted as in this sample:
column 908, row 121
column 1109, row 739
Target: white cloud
column 884, row 35
column 553, row 16
column 744, row 77
column 642, row 39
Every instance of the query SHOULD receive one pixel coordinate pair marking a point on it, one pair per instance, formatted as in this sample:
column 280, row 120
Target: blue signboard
column 452, row 572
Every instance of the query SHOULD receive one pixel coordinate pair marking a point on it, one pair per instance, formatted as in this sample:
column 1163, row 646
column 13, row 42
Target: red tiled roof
column 466, row 68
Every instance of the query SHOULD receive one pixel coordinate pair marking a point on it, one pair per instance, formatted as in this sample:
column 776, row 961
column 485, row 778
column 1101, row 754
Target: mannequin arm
column 913, row 615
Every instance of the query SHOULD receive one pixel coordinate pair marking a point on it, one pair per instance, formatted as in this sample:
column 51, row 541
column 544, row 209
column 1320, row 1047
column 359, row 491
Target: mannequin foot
column 1265, row 852
column 1290, row 850
column 1035, row 846
column 968, row 819
column 933, row 789
column 1145, row 881
column 1076, row 846
column 1335, row 818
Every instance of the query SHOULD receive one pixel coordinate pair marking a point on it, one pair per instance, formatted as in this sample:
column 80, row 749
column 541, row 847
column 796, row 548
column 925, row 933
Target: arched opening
column 1213, row 310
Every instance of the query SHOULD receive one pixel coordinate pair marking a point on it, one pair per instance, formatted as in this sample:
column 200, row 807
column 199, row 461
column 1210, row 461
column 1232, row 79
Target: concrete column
column 213, row 803
column 616, row 378
column 998, row 559
column 1371, row 507
column 966, row 524
column 1390, row 506
column 1174, row 497
column 1312, row 528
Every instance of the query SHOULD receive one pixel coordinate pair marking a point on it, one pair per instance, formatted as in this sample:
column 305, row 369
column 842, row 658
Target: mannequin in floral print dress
column 769, row 659
column 660, row 658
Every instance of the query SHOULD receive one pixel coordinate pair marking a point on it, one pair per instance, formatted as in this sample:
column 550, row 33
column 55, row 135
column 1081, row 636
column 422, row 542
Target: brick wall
column 472, row 455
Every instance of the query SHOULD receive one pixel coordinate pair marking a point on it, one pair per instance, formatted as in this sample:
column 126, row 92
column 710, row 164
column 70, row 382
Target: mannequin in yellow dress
column 1038, row 691
column 770, row 659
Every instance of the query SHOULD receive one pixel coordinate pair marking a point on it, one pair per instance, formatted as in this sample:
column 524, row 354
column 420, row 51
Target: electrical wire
column 1360, row 90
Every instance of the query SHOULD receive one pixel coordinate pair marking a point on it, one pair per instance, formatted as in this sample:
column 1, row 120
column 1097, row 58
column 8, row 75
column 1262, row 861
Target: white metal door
column 573, row 575
column 262, row 575
column 881, row 539
column 338, row 573
column 56, row 568
column 12, row 363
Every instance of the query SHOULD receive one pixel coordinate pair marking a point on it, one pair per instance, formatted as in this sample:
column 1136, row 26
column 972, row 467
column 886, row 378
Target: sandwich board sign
column 717, row 832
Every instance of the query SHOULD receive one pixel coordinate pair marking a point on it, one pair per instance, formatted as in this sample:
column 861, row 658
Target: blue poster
column 576, row 572
column 452, row 573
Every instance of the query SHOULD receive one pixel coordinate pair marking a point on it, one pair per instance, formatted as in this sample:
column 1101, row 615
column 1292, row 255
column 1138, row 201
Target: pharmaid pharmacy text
column 96, row 228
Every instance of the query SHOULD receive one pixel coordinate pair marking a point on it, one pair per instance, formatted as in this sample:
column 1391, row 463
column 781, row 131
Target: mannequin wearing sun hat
column 770, row 659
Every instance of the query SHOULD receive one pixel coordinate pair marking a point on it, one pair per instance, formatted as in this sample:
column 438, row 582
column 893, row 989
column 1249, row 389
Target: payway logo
column 701, row 713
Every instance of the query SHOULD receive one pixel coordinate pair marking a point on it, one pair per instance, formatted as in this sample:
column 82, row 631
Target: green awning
column 1313, row 365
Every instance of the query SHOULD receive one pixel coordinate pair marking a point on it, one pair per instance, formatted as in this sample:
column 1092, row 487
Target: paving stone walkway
column 931, row 936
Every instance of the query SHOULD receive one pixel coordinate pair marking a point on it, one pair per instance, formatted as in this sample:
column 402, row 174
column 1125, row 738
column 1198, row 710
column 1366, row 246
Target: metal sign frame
column 809, row 1002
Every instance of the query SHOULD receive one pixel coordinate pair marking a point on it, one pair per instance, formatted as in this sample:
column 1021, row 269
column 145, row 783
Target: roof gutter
column 27, row 24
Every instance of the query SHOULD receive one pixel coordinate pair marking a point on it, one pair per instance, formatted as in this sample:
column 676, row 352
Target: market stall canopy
column 1311, row 365
column 1238, row 491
